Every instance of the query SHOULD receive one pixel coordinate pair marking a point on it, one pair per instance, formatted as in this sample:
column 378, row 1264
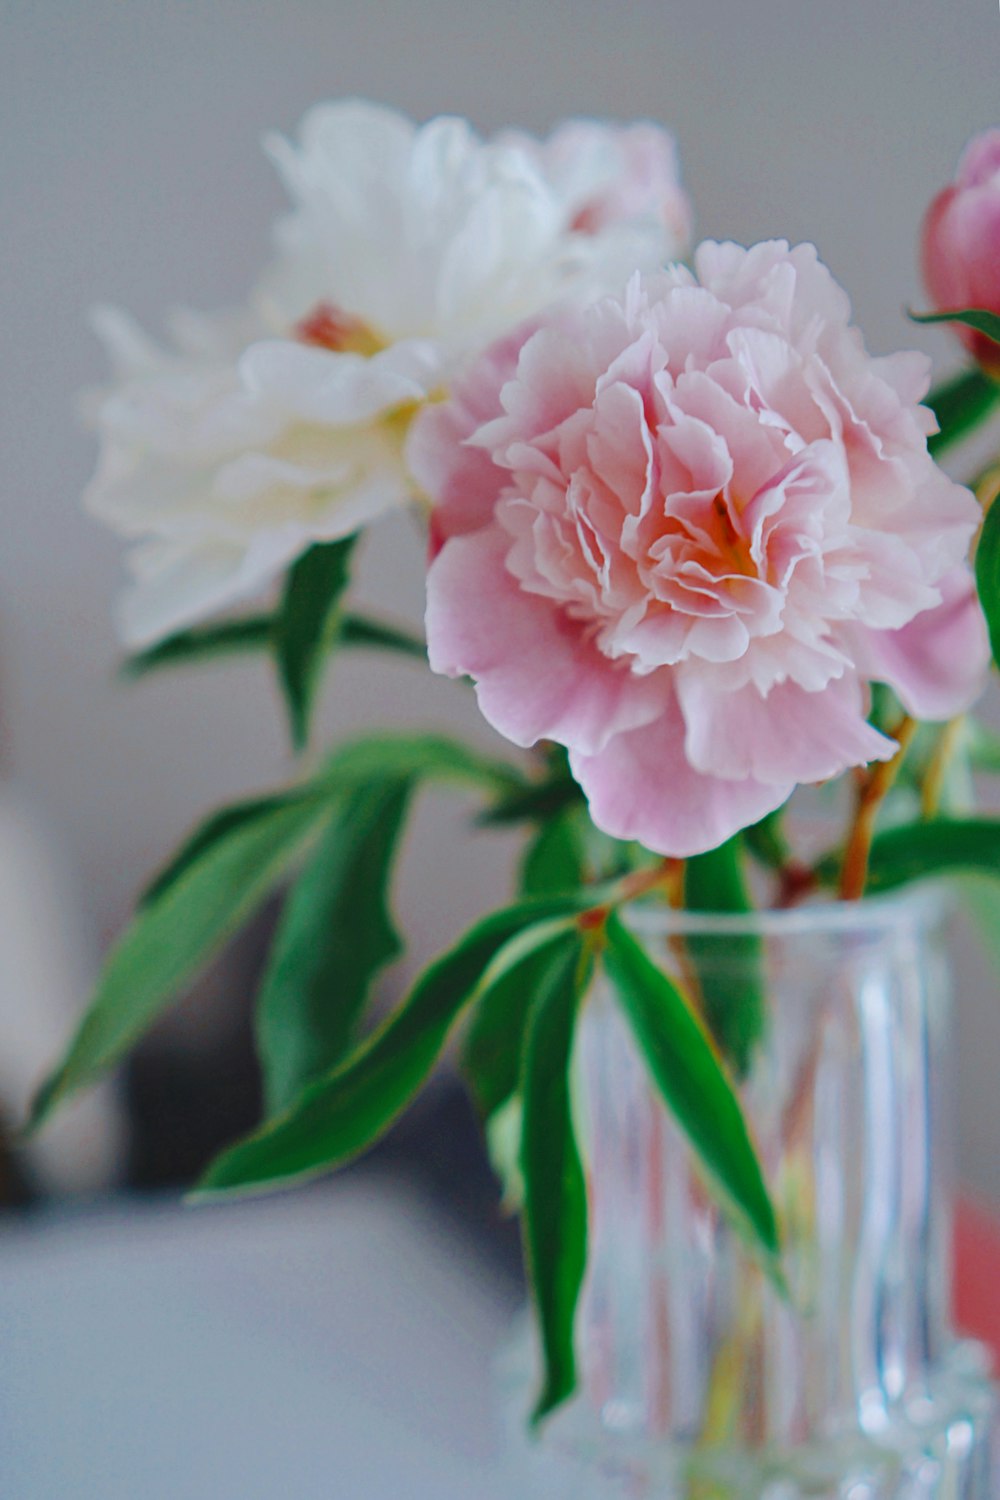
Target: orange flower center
column 330, row 327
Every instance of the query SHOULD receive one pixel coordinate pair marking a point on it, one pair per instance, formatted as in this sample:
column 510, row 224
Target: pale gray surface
column 334, row 1346
column 131, row 172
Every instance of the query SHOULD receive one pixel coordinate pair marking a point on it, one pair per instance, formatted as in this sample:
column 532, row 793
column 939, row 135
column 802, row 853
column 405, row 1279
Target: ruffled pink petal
column 642, row 786
column 936, row 664
column 460, row 477
column 789, row 735
column 537, row 675
column 673, row 573
column 554, row 381
column 463, row 483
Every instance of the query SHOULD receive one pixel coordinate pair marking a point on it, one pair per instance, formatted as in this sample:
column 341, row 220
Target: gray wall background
column 130, row 172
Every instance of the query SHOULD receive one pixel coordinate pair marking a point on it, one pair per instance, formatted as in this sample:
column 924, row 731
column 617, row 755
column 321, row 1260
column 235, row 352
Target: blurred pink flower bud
column 961, row 241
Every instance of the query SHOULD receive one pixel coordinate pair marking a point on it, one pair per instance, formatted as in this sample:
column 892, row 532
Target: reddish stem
column 873, row 786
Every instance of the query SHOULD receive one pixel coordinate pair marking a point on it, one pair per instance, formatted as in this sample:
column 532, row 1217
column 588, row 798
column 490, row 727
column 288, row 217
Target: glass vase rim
column 922, row 907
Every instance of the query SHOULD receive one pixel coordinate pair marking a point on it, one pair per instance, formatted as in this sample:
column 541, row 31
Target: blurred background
column 130, row 172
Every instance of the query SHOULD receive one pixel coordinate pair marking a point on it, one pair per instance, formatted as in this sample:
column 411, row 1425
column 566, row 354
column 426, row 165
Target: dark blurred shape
column 192, row 1091
column 185, row 1106
column 14, row 1190
column 192, row 1086
column 441, row 1148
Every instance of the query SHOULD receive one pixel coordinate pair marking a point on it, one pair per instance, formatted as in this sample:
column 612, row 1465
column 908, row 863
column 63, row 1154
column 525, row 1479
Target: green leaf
column 915, row 851
column 307, row 624
column 686, row 1068
column 335, row 934
column 370, row 757
column 716, row 881
column 973, row 317
column 338, row 933
column 206, row 643
column 554, row 1217
column 176, row 932
column 220, row 826
column 553, row 860
column 988, row 575
column 493, row 1046
column 348, row 1109
column 532, row 801
column 960, row 404
column 730, row 980
column 494, row 1042
column 363, row 631
column 220, row 874
column 256, row 633
column 353, row 766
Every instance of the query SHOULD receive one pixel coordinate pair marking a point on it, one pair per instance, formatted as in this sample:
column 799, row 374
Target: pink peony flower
column 961, row 241
column 699, row 520
column 615, row 177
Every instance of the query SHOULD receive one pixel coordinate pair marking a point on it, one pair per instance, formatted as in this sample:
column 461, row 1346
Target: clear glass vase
column 699, row 1381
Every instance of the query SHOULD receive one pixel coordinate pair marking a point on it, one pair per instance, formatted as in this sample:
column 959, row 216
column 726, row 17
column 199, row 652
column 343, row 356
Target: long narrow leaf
column 345, row 1112
column 972, row 317
column 494, row 1042
column 532, row 801
column 220, row 874
column 554, row 859
column 335, row 934
column 353, row 766
column 686, row 1068
column 554, row 1217
column 960, row 405
column 220, row 826
column 988, row 575
column 915, row 851
column 206, row 643
column 363, row 631
column 730, row 981
column 175, row 934
column 359, row 761
column 306, row 625
column 256, row 633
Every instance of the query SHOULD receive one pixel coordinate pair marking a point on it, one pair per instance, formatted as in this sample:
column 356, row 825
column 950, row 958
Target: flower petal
column 642, row 786
column 937, row 664
column 536, row 676
column 789, row 735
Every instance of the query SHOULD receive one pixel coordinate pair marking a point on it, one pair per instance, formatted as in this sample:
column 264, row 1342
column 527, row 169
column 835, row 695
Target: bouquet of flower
column 684, row 534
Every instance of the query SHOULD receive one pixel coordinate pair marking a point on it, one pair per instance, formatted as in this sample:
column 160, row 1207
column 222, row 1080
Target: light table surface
column 331, row 1345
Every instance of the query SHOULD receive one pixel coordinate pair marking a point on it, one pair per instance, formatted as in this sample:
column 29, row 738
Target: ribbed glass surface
column 699, row 1380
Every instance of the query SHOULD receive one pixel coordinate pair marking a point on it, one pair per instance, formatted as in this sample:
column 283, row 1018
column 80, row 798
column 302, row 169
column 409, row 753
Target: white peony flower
column 408, row 249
